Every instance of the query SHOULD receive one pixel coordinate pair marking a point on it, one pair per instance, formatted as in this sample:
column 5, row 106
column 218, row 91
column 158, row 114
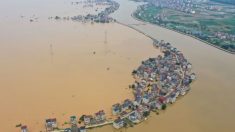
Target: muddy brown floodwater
column 49, row 69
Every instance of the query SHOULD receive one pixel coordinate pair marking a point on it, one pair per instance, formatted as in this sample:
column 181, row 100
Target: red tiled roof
column 24, row 127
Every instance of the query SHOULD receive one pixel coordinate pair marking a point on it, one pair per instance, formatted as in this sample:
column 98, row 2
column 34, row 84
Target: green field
column 149, row 13
column 202, row 25
column 225, row 1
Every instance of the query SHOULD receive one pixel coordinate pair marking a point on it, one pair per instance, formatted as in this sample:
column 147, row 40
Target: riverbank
column 132, row 15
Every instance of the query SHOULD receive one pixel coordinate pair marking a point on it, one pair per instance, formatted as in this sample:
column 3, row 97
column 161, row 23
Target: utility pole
column 51, row 53
column 106, row 49
column 105, row 37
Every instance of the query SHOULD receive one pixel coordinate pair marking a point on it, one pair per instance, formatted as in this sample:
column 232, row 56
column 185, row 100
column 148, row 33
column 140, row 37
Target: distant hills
column 225, row 1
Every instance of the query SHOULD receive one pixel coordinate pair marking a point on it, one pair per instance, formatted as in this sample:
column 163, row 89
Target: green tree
column 146, row 113
column 164, row 106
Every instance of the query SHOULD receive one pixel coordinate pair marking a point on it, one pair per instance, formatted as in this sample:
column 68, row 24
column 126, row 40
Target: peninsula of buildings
column 205, row 20
column 158, row 82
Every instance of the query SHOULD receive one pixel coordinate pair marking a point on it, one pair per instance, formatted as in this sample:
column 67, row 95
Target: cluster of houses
column 103, row 16
column 128, row 113
column 74, row 126
column 225, row 36
column 51, row 125
column 98, row 118
column 91, row 3
column 186, row 6
column 88, row 2
column 214, row 8
column 158, row 81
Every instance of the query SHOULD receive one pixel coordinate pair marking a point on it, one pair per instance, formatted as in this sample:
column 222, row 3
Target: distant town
column 100, row 17
column 205, row 20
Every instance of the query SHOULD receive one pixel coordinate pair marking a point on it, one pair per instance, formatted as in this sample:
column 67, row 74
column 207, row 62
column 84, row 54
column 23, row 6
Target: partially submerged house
column 74, row 128
column 116, row 109
column 87, row 119
column 51, row 124
column 127, row 104
column 118, row 123
column 135, row 117
column 100, row 116
column 82, row 129
column 73, row 120
column 24, row 129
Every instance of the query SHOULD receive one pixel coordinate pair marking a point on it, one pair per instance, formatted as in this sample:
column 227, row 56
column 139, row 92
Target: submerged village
column 158, row 82
column 100, row 17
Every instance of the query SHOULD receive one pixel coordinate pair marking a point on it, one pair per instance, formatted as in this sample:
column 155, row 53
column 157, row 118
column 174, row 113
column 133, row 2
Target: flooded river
column 61, row 68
